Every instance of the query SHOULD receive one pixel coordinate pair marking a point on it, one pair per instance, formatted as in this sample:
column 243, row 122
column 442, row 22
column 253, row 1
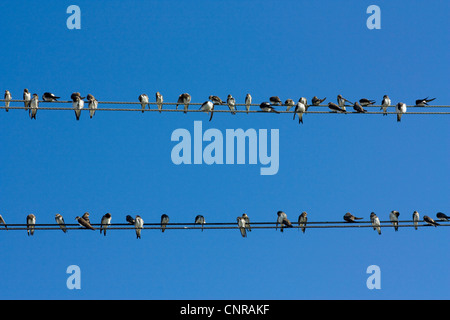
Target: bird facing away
column 401, row 109
column 184, row 98
column 283, row 221
column 335, row 108
column 302, row 219
column 442, row 216
column 93, row 104
column 105, row 223
column 200, row 220
column 375, row 222
column 164, row 222
column 49, row 97
column 130, row 219
column 8, row 99
column 2, row 221
column 208, row 107
column 248, row 102
column 415, row 217
column 430, row 221
column 143, row 99
column 423, row 102
column 31, row 221
column 159, row 101
column 267, row 107
column 34, row 105
column 247, row 222
column 231, row 102
column 60, row 221
column 393, row 216
column 78, row 104
column 366, row 102
column 385, row 104
column 275, row 100
column 316, row 101
column 216, row 99
column 348, row 217
column 300, row 108
column 138, row 225
column 26, row 98
column 358, row 108
column 289, row 103
column 241, row 225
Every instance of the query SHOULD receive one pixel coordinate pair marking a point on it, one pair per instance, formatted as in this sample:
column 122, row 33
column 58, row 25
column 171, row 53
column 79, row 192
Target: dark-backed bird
column 49, row 97
column 335, row 108
column 31, row 221
column 8, row 99
column 184, row 98
column 60, row 221
column 208, row 107
column 105, row 223
column 358, row 108
column 302, row 220
column 143, row 99
column 348, row 217
column 393, row 216
column 442, row 216
column 401, row 109
column 423, row 102
column 283, row 221
column 130, row 219
column 200, row 220
column 216, row 99
column 26, row 98
column 316, row 101
column 385, row 104
column 82, row 221
column 366, row 102
column 289, row 103
column 275, row 100
column 430, row 221
column 231, row 102
column 247, row 222
column 375, row 222
column 267, row 107
column 164, row 222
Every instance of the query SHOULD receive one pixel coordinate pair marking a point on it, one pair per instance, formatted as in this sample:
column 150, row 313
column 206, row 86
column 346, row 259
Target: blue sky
column 120, row 162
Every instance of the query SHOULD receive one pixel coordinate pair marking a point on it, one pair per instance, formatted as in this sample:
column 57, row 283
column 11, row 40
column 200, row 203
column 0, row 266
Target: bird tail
column 399, row 117
column 186, row 108
column 300, row 118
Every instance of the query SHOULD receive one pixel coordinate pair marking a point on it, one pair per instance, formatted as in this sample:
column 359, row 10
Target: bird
column 26, row 98
column 283, row 221
column 60, row 220
column 138, row 225
column 185, row 99
column 231, row 102
column 341, row 102
column 143, row 99
column 442, row 216
column 31, row 221
column 2, row 221
column 302, row 219
column 275, row 100
column 8, row 99
column 423, row 102
column 358, row 108
column 335, row 108
column 93, row 103
column 208, row 107
column 74, row 95
column 78, row 104
column 84, row 223
column 130, row 219
column 216, row 99
column 34, row 105
column 348, row 217
column 366, row 102
column 415, row 218
column 248, row 101
column 105, row 223
column 299, row 109
column 49, row 97
column 385, row 104
column 247, row 222
column 393, row 216
column 164, row 222
column 85, row 216
column 430, row 221
column 200, row 220
column 267, row 107
column 401, row 109
column 316, row 101
column 304, row 101
column 289, row 103
column 375, row 222
column 159, row 101
column 241, row 225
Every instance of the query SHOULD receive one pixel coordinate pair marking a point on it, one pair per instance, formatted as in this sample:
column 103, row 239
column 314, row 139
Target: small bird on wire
column 375, row 222
column 93, row 103
column 393, row 216
column 143, row 99
column 348, row 217
column 208, row 107
column 302, row 220
column 401, row 109
column 60, row 221
column 366, row 102
column 283, row 221
column 231, row 102
column 248, row 102
column 200, row 220
column 316, row 101
column 49, row 97
column 164, row 222
column 105, row 223
column 430, row 221
column 159, row 101
column 385, row 104
column 423, row 102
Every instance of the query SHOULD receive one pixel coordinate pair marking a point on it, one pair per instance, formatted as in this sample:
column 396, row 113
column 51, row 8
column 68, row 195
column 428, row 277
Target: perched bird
column 335, row 108
column 105, row 223
column 159, row 101
column 375, row 222
column 26, row 98
column 289, row 103
column 366, row 102
column 138, row 225
column 200, row 220
column 302, row 219
column 248, row 101
column 185, row 99
column 34, row 105
column 423, row 102
column 275, row 100
column 316, row 101
column 86, row 217
column 442, row 216
column 208, row 107
column 164, row 222
column 283, row 221
column 430, row 221
column 93, row 103
column 143, row 99
column 401, row 109
column 241, row 225
column 215, row 99
column 393, row 216
column 341, row 102
column 385, row 104
column 358, row 108
column 299, row 109
column 267, row 107
column 74, row 95
column 31, row 221
column 2, row 221
column 8, row 99
column 130, row 219
column 60, row 220
column 231, row 102
column 247, row 222
column 82, row 221
column 304, row 101
column 49, row 97
column 415, row 218
column 78, row 104
column 348, row 217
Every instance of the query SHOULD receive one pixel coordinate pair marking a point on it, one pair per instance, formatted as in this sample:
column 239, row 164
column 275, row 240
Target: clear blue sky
column 120, row 162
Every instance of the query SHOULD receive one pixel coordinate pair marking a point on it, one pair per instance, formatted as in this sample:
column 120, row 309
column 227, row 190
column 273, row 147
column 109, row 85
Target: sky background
column 119, row 162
